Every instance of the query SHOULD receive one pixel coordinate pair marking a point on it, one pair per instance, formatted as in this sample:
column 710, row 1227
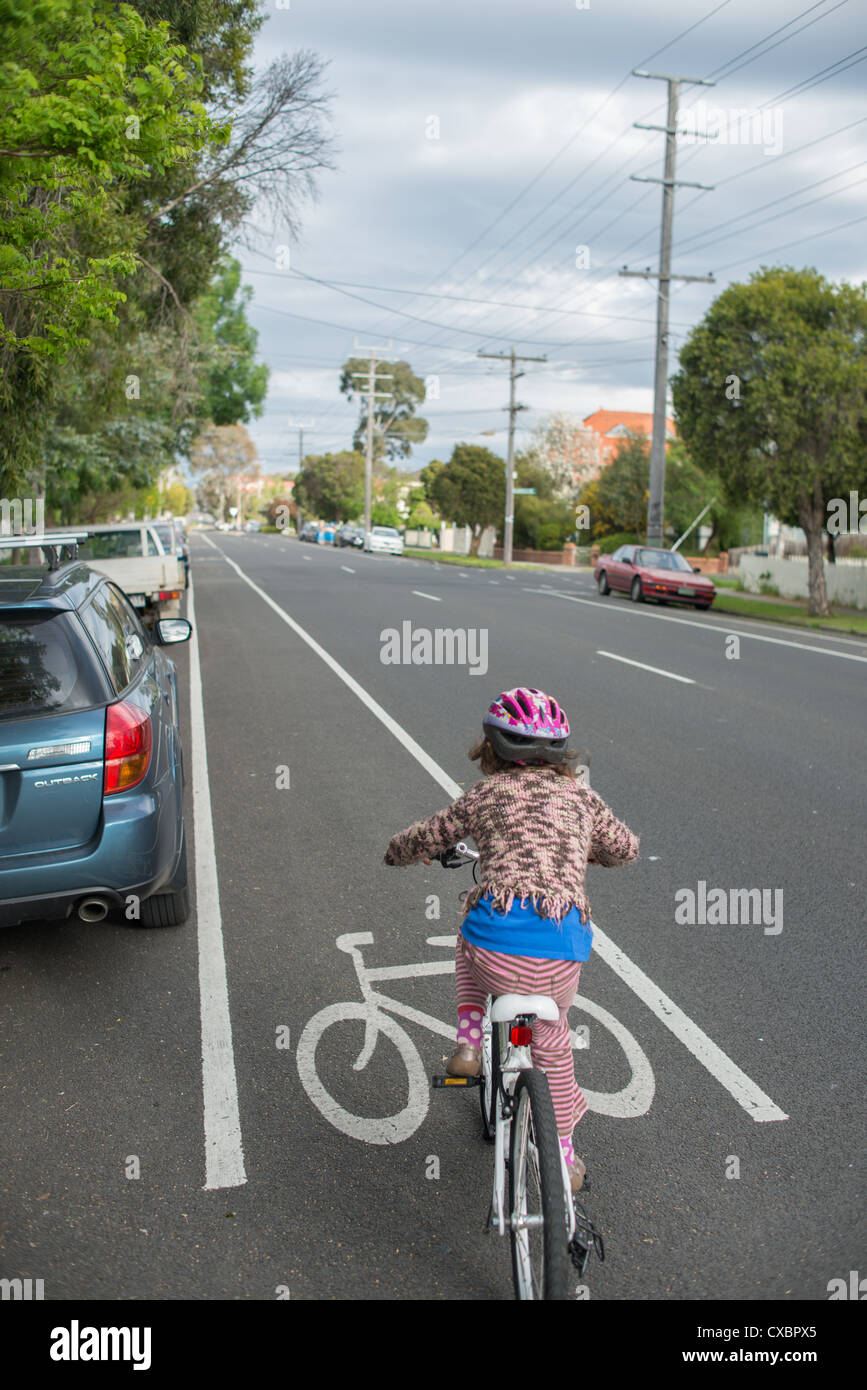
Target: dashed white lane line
column 433, row 598
column 224, row 1153
column 348, row 570
column 638, row 610
column 745, row 1091
column 657, row 670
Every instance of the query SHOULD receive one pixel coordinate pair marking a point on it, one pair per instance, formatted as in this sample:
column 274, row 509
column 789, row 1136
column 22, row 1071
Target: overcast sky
column 484, row 143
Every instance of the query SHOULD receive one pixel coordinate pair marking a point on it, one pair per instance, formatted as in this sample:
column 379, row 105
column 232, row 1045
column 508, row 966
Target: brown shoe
column 577, row 1173
column 466, row 1060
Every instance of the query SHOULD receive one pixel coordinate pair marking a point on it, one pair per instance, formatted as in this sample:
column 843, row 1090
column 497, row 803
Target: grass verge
column 794, row 614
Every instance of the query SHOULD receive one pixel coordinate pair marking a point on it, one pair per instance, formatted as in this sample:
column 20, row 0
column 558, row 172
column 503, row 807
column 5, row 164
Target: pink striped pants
column 479, row 972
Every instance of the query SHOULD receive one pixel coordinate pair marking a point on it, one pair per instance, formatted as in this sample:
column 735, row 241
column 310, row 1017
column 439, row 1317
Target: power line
column 510, row 328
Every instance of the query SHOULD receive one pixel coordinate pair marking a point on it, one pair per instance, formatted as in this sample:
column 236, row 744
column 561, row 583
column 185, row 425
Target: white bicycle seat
column 509, row 1006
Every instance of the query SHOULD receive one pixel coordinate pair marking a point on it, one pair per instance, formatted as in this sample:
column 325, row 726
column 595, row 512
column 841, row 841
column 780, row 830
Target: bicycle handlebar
column 449, row 859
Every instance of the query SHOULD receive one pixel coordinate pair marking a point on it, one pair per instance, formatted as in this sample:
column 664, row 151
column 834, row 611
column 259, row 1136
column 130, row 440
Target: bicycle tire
column 540, row 1254
column 490, row 1087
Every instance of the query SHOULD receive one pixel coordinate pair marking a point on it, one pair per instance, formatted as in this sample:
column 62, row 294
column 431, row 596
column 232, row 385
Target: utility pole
column 372, row 395
column 513, row 409
column 656, row 497
column 301, row 426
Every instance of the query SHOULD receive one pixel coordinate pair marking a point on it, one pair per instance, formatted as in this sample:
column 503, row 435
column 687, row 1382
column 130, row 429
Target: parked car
column 91, row 764
column 309, row 531
column 132, row 554
column 647, row 573
column 252, row 525
column 386, row 539
column 325, row 534
column 350, row 535
column 174, row 542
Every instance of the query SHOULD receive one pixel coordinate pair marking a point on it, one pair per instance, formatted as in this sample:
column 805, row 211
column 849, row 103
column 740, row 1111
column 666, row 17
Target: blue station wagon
column 91, row 765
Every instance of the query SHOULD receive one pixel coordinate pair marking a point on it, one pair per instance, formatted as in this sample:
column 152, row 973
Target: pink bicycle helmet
column 526, row 725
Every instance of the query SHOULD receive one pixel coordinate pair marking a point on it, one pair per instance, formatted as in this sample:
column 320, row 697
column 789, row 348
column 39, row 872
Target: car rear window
column 42, row 667
column 111, row 545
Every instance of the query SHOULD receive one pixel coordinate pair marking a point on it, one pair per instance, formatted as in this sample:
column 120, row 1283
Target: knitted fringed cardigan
column 535, row 831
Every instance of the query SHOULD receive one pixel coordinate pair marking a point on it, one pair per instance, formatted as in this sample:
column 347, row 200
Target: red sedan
column 645, row 573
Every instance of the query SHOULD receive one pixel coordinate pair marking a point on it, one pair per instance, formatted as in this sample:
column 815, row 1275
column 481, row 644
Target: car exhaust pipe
column 93, row 909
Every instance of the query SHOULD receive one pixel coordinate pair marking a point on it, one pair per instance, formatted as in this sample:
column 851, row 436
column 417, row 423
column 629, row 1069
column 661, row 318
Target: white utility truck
column 133, row 556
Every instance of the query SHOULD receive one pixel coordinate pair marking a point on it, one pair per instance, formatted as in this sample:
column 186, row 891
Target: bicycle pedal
column 440, row 1082
column 587, row 1238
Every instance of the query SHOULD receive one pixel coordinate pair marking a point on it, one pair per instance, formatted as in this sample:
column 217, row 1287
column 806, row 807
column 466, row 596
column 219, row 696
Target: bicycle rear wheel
column 489, row 1091
column 538, row 1231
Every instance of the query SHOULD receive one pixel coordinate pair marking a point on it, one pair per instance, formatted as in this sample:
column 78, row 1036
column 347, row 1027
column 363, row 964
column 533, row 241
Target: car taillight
column 521, row 1035
column 128, row 741
column 167, row 594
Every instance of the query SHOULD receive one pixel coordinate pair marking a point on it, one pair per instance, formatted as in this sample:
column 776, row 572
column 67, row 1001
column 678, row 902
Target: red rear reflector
column 521, row 1035
column 128, row 741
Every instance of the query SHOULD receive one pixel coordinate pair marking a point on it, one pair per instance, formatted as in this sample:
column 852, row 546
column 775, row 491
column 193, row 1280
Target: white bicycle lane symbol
column 374, row 1008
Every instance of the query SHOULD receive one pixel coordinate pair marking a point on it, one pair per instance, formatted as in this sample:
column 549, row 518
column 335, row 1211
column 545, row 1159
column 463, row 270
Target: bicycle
column 547, row 1223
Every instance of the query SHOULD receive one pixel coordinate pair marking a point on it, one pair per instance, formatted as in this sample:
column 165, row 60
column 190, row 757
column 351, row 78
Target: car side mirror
column 169, row 630
column 696, row 569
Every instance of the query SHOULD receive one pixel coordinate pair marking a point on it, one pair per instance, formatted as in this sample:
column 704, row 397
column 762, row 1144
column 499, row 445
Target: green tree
column 617, row 499
column 396, row 427
column 470, row 489
column 422, row 517
column 92, row 100
column 385, row 514
column 235, row 384
column 331, row 486
column 772, row 395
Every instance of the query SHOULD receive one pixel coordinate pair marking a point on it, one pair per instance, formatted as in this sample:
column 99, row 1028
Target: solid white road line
column 657, row 670
column 747, row 1094
column 735, row 1081
column 224, row 1154
column 433, row 598
column 639, row 611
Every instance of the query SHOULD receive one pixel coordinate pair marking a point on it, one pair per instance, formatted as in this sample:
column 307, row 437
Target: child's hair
column 490, row 762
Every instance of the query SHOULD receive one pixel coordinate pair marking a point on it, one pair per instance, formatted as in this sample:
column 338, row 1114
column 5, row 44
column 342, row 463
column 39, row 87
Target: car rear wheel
column 173, row 908
column 604, row 586
column 636, row 593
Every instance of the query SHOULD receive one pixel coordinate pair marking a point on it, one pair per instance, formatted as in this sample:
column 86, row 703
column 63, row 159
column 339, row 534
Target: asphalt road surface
column 177, row 1128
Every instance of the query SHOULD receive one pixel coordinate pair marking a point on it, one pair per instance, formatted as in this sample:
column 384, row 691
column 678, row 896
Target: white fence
column 846, row 584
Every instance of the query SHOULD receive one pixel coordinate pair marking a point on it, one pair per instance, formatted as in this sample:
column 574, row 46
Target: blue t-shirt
column 522, row 931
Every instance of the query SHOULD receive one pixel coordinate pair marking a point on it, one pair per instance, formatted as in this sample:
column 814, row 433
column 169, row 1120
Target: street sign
column 519, row 490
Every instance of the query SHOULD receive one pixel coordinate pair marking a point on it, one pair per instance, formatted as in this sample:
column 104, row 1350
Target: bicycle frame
column 516, row 1058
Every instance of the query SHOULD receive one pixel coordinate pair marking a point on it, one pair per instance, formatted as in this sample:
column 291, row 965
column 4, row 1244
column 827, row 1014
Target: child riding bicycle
column 526, row 926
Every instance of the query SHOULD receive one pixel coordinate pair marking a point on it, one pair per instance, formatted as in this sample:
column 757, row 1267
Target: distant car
column 91, row 765
column 308, row 531
column 350, row 535
column 252, row 526
column 385, row 539
column 644, row 572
